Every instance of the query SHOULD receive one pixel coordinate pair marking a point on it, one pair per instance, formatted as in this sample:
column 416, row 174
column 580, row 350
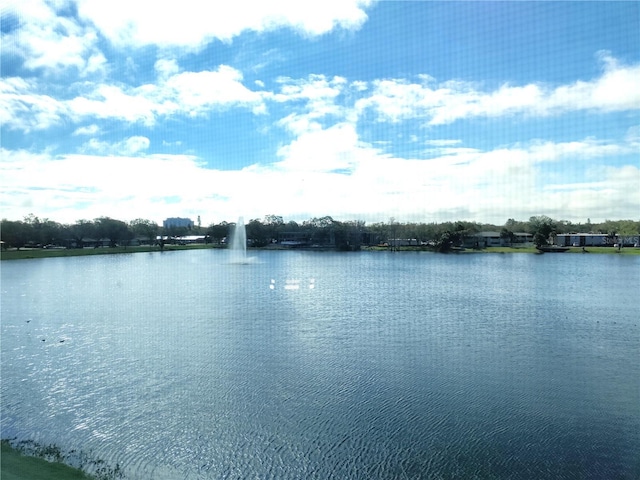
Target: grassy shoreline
column 28, row 253
column 55, row 253
column 14, row 465
column 30, row 460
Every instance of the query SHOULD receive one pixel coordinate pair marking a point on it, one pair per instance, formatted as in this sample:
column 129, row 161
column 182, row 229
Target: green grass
column 75, row 252
column 597, row 250
column 16, row 466
column 506, row 250
column 46, row 253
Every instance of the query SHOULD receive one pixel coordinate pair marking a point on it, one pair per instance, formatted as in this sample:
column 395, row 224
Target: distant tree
column 507, row 236
column 379, row 232
column 115, row 230
column 14, row 233
column 516, row 226
column 44, row 231
column 629, row 232
column 32, row 229
column 453, row 237
column 611, row 237
column 446, row 241
column 257, row 233
column 392, row 229
column 542, row 227
column 411, row 231
column 348, row 235
column 321, row 230
column 273, row 225
column 431, row 232
column 81, row 230
column 218, row 231
column 144, row 228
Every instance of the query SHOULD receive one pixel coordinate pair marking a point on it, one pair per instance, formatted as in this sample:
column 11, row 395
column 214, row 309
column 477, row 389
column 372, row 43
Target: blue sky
column 422, row 111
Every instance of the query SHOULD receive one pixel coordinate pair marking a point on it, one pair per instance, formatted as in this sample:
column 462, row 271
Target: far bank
column 34, row 253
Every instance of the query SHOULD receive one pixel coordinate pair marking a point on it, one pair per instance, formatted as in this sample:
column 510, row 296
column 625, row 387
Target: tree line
column 33, row 231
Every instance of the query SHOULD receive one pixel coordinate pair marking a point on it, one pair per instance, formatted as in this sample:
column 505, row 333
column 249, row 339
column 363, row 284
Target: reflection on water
column 320, row 365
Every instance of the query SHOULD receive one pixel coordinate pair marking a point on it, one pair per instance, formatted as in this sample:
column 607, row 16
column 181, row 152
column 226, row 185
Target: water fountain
column 238, row 246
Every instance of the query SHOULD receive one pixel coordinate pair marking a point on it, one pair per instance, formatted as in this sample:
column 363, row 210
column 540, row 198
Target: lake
column 369, row 365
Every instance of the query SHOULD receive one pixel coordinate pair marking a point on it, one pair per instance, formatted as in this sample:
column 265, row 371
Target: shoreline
column 25, row 254
column 16, row 465
column 30, row 460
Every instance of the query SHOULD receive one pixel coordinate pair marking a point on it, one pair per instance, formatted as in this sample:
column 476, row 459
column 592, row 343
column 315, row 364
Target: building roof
column 582, row 235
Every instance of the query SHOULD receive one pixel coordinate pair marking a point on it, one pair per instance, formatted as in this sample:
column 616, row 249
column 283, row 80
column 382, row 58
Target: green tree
column 542, row 227
column 629, row 232
column 81, row 230
column 454, row 237
column 14, row 233
column 273, row 224
column 516, row 226
column 348, row 235
column 257, row 233
column 115, row 230
column 378, row 233
column 321, row 230
column 43, row 231
column 145, row 228
column 218, row 231
column 507, row 236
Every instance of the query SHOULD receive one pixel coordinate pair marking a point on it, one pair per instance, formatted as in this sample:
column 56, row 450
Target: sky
column 423, row 111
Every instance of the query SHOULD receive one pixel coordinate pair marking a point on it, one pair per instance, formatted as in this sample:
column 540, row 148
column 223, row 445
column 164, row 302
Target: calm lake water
column 371, row 365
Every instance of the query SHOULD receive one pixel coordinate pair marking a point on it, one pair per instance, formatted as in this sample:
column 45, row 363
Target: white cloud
column 334, row 149
column 193, row 23
column 328, row 171
column 46, row 39
column 129, row 146
column 311, row 100
column 444, row 103
column 611, row 192
column 358, row 86
column 22, row 109
column 109, row 101
column 443, row 142
column 92, row 129
column 633, row 136
column 195, row 92
column 187, row 93
column 166, row 67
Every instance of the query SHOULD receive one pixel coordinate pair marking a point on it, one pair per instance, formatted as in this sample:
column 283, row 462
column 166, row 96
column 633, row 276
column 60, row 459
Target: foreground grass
column 16, row 466
column 76, row 252
column 597, row 250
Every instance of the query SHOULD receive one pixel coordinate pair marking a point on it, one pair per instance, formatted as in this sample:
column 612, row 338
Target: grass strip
column 78, row 252
column 75, row 252
column 16, row 466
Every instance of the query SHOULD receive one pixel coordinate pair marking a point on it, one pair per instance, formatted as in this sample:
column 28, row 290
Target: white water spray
column 238, row 247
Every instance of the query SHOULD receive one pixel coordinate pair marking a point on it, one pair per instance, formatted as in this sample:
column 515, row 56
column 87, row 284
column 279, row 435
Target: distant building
column 585, row 239
column 403, row 242
column 190, row 239
column 177, row 222
column 495, row 239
